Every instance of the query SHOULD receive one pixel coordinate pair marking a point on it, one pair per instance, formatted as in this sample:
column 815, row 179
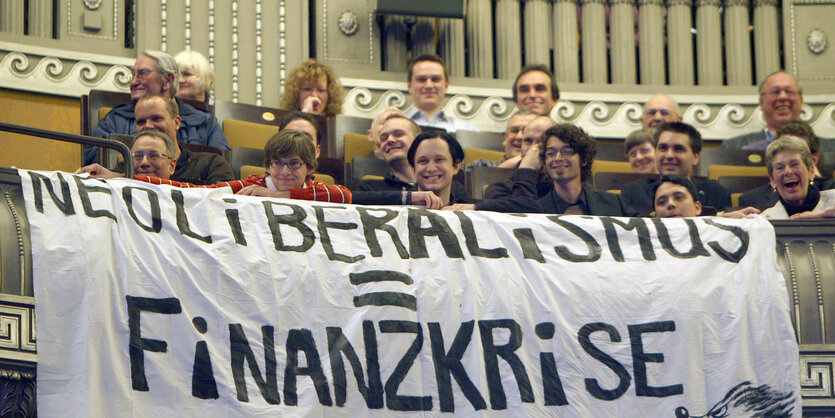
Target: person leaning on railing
column 791, row 171
column 289, row 160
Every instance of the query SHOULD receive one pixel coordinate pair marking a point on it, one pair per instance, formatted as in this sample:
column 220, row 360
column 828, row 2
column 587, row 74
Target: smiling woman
column 196, row 76
column 791, row 170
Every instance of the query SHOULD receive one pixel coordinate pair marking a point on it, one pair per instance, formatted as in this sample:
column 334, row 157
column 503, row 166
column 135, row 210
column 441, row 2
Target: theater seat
column 249, row 170
column 601, row 166
column 357, row 145
column 720, row 170
column 327, row 178
column 241, row 133
column 472, row 154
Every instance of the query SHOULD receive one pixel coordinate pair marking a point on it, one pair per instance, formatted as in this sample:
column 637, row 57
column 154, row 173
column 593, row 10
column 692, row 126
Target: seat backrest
column 610, row 151
column 472, row 154
column 478, row 178
column 241, row 133
column 332, row 167
column 249, row 170
column 608, row 181
column 264, row 115
column 324, row 177
column 341, row 125
column 356, row 145
column 483, row 140
column 741, row 184
column 720, row 170
column 241, row 156
column 95, row 101
column 600, row 166
column 723, row 156
column 363, row 166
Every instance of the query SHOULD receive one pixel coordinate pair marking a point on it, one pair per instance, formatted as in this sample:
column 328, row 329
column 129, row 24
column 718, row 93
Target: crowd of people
column 550, row 163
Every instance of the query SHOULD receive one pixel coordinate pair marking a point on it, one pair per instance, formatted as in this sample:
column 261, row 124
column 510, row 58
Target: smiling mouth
column 791, row 184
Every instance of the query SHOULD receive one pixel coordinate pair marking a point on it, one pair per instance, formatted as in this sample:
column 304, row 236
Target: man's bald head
column 659, row 109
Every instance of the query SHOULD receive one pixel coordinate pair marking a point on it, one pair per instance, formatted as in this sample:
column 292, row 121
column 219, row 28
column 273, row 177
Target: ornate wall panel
column 604, row 115
column 808, row 36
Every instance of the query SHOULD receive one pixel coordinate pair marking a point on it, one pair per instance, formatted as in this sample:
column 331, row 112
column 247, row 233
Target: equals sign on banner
column 403, row 300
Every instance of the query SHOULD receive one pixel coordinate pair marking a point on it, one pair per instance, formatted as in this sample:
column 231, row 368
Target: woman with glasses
column 640, row 150
column 289, row 160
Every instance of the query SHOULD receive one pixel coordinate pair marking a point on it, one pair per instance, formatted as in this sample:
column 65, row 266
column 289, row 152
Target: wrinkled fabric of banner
column 158, row 301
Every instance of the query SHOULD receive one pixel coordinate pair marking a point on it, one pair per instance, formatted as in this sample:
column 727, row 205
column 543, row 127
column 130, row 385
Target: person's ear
column 698, row 208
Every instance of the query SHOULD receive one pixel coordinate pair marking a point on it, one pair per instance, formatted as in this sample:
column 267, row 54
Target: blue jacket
column 196, row 127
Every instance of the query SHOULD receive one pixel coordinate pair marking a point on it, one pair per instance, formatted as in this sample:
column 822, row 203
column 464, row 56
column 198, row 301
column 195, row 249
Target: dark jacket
column 389, row 191
column 638, row 194
column 518, row 194
column 201, row 168
column 196, row 127
column 594, row 202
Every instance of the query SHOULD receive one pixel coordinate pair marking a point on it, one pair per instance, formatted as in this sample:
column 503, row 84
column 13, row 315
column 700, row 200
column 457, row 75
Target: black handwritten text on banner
column 204, row 302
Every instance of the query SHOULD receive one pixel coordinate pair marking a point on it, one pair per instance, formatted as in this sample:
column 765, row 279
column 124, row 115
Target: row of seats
column 247, row 128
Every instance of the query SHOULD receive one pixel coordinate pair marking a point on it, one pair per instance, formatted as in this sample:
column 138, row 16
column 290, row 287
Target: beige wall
column 39, row 111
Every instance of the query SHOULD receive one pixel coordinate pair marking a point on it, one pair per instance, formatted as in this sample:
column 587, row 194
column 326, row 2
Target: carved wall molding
column 604, row 115
column 62, row 76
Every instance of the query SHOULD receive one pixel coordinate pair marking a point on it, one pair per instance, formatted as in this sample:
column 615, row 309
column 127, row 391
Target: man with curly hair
column 427, row 81
column 314, row 88
column 567, row 153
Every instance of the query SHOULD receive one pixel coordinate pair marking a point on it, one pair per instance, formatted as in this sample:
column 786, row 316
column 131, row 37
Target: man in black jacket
column 398, row 186
column 677, row 150
column 567, row 153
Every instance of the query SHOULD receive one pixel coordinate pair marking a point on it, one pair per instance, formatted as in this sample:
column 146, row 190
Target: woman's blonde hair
column 195, row 61
column 311, row 70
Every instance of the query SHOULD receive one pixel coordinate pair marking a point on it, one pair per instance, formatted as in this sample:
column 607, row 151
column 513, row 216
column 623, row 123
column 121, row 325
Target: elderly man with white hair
column 157, row 72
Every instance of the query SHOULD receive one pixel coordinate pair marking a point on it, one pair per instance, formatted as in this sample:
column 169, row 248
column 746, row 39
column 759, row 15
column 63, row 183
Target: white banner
column 158, row 301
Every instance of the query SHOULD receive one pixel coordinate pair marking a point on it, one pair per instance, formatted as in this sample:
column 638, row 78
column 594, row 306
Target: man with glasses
column 152, row 153
column 659, row 109
column 157, row 72
column 567, row 153
column 155, row 112
column 781, row 100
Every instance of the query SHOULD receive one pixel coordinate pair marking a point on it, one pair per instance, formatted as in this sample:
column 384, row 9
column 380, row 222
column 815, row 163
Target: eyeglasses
column 652, row 112
column 565, row 151
column 141, row 75
column 638, row 150
column 293, row 165
column 776, row 92
column 152, row 155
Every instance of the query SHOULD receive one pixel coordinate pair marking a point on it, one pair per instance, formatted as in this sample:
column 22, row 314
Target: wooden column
column 737, row 43
column 479, row 26
column 766, row 41
column 508, row 38
column 680, row 42
column 395, row 50
column 709, row 42
column 622, row 35
column 594, row 42
column 651, row 38
column 566, row 45
column 451, row 45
